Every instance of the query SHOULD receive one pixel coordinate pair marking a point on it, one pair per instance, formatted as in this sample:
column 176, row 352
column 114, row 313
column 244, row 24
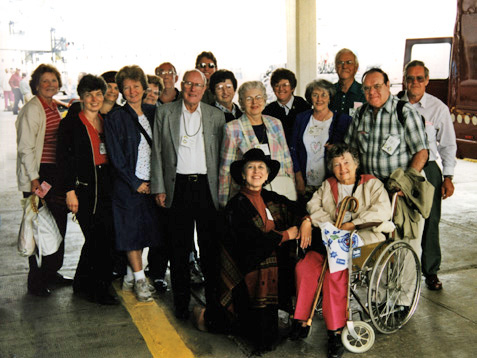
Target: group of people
column 168, row 164
column 15, row 89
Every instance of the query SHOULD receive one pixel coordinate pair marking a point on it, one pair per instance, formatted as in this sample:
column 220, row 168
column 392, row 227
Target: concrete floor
column 445, row 324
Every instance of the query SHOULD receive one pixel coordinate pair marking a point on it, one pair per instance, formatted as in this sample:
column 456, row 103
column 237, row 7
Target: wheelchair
column 383, row 290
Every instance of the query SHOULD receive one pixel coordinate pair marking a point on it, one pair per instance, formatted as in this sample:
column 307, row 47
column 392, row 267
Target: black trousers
column 159, row 256
column 94, row 271
column 192, row 205
column 40, row 277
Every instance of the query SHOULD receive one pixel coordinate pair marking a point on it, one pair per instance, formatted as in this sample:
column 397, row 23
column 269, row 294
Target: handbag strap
column 142, row 130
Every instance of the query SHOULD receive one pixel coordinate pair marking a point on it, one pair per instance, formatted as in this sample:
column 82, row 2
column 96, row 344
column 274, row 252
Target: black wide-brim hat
column 254, row 155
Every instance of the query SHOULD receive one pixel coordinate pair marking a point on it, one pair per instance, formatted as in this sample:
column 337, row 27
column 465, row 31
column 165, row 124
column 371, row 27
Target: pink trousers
column 335, row 290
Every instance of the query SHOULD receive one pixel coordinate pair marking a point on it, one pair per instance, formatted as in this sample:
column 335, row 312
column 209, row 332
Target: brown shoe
column 433, row 283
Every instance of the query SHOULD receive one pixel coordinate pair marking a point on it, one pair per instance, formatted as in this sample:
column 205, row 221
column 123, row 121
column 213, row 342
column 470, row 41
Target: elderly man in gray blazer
column 187, row 138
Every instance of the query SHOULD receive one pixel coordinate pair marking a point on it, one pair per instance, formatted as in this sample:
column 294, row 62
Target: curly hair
column 283, row 74
column 90, row 83
column 319, row 84
column 40, row 71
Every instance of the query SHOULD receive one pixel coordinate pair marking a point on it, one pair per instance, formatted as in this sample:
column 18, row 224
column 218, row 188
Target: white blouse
column 143, row 165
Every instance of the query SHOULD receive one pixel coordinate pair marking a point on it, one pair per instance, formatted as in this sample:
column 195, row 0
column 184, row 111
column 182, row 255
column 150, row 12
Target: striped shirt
column 53, row 119
column 370, row 133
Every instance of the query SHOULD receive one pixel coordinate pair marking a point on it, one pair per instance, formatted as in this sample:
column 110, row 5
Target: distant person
column 442, row 143
column 207, row 64
column 287, row 105
column 25, row 88
column 223, row 85
column 155, row 87
column 14, row 83
column 349, row 94
column 169, row 76
column 37, row 127
column 7, row 91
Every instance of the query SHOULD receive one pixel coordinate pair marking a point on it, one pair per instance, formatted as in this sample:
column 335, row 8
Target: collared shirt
column 225, row 109
column 287, row 106
column 439, row 129
column 349, row 101
column 191, row 154
column 373, row 135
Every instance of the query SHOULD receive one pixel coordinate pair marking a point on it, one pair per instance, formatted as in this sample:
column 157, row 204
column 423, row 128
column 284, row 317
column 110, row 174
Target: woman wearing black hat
column 257, row 222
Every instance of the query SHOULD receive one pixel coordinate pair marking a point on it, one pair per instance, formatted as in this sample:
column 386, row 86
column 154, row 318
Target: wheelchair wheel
column 394, row 287
column 365, row 339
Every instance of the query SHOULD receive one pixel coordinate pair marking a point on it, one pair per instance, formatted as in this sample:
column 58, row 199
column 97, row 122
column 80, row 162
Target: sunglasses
column 204, row 65
column 411, row 79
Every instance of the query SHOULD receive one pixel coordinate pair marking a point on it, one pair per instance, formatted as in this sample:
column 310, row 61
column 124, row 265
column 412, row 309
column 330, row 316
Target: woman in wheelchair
column 374, row 208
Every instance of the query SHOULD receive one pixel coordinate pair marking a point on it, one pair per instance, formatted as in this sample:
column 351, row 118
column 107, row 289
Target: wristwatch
column 449, row 176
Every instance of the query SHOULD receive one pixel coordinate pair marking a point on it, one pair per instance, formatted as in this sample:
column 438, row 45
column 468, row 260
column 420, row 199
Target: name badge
column 102, row 148
column 188, row 142
column 391, row 144
column 314, row 131
column 264, row 148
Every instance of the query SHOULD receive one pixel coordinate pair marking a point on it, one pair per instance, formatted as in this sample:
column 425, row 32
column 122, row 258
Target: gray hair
column 247, row 86
column 343, row 51
column 199, row 72
column 322, row 85
column 416, row 63
column 338, row 150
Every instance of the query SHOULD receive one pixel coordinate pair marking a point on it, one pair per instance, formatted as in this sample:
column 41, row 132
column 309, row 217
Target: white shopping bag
column 336, row 242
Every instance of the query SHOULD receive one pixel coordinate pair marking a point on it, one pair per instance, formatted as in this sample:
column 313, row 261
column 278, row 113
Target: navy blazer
column 122, row 141
column 338, row 128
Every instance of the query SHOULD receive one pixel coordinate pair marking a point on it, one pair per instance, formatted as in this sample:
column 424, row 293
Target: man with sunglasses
column 349, row 94
column 442, row 142
column 187, row 138
column 207, row 64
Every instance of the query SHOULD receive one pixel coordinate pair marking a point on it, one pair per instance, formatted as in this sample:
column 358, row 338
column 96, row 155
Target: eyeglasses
column 224, row 87
column 341, row 63
column 163, row 72
column 156, row 92
column 250, row 99
column 204, row 65
column 281, row 85
column 189, row 84
column 377, row 87
column 419, row 79
column 318, row 95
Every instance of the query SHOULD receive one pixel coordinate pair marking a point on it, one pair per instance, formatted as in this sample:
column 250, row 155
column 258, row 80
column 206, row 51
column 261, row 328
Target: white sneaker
column 128, row 286
column 141, row 289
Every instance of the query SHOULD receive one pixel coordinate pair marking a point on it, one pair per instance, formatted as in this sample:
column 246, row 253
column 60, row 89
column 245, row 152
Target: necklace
column 185, row 127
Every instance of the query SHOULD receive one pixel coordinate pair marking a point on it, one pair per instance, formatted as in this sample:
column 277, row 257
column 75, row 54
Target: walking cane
column 349, row 203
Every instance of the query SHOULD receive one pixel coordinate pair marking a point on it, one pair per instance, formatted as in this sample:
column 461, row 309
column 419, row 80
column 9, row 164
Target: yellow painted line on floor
column 470, row 160
column 161, row 337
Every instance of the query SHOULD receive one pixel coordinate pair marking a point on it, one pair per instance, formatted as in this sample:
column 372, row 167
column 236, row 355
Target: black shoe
column 182, row 314
column 295, row 330
column 105, row 298
column 61, row 280
column 433, row 283
column 39, row 291
column 160, row 285
column 335, row 346
column 304, row 332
